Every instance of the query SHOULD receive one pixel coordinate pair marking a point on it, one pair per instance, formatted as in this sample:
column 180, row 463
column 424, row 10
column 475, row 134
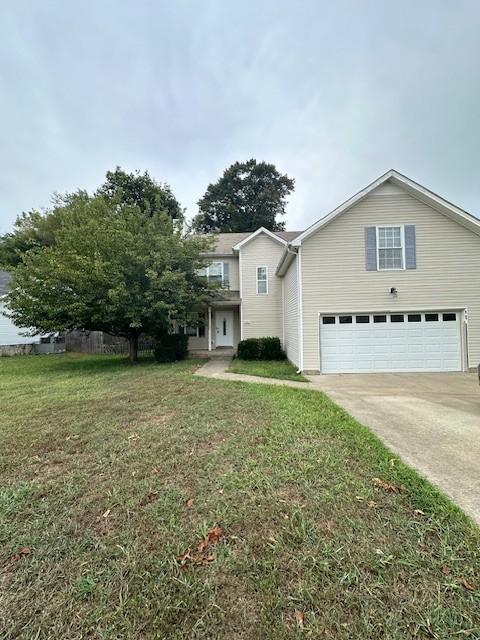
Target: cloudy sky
column 333, row 93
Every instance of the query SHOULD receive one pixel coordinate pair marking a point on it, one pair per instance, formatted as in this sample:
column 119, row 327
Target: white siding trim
column 402, row 239
column 240, row 284
column 300, row 308
column 238, row 246
column 290, row 314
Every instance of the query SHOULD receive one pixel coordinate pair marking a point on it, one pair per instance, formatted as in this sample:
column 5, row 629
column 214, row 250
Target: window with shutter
column 390, row 247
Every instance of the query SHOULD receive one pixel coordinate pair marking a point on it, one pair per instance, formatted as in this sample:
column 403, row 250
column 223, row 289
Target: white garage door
column 411, row 341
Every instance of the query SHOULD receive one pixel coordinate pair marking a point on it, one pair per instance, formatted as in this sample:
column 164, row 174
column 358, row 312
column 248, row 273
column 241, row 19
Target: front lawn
column 282, row 369
column 143, row 502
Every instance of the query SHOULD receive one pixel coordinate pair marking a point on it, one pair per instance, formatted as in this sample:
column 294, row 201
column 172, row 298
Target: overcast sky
column 333, row 93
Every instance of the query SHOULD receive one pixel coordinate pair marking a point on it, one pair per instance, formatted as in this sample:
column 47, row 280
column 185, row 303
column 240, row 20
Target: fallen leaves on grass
column 468, row 585
column 299, row 618
column 371, row 504
column 386, row 486
column 150, row 497
column 203, row 553
column 21, row 553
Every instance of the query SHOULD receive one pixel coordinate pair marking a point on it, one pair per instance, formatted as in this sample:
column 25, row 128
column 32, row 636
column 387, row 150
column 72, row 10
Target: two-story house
column 388, row 281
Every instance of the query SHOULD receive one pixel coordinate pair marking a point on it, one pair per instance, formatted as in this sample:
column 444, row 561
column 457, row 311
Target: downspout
column 300, row 301
column 300, row 306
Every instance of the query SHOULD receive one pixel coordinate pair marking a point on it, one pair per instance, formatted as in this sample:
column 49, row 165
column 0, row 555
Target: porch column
column 209, row 328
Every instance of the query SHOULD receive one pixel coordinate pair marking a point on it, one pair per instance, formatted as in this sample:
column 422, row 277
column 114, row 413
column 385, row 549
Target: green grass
column 110, row 472
column 282, row 369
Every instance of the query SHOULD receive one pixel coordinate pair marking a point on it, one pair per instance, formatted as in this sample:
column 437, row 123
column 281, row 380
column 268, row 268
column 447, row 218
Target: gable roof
column 225, row 243
column 256, row 233
column 418, row 191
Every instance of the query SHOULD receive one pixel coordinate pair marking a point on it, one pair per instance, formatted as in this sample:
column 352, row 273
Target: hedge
column 260, row 349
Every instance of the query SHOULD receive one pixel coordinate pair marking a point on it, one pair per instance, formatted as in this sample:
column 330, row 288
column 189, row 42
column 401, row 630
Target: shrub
column 171, row 347
column 260, row 349
column 271, row 349
column 249, row 349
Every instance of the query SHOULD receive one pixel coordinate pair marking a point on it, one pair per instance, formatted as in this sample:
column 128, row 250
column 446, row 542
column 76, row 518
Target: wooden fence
column 98, row 342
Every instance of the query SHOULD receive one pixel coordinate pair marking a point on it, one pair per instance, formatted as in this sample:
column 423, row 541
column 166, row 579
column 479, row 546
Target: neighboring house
column 12, row 338
column 388, row 281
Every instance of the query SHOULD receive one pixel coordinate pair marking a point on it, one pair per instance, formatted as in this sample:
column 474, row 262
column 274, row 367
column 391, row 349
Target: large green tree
column 142, row 190
column 111, row 270
column 34, row 229
column 249, row 195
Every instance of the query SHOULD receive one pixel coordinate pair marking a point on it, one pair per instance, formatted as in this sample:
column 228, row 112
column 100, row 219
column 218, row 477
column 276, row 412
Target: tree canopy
column 106, row 269
column 35, row 229
column 142, row 190
column 249, row 195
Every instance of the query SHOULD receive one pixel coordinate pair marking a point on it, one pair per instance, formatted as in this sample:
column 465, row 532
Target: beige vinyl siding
column 234, row 277
column 334, row 278
column 291, row 313
column 261, row 313
column 195, row 343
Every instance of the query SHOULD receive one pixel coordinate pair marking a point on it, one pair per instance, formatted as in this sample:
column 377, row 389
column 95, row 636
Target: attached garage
column 391, row 342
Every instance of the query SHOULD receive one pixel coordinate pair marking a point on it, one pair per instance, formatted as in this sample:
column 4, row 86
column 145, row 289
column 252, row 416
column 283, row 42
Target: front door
column 224, row 328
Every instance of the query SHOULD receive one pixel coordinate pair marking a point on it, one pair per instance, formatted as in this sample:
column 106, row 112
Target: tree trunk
column 133, row 348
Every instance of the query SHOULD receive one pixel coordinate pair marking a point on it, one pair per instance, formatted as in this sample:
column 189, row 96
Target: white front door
column 224, row 328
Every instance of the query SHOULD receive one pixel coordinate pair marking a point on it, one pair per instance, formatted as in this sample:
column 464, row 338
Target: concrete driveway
column 431, row 420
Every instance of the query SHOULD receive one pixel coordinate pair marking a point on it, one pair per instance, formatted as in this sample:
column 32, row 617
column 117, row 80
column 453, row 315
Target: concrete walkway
column 432, row 420
column 218, row 369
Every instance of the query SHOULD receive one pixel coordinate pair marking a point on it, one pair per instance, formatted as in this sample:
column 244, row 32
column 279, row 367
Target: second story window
column 262, row 279
column 390, row 247
column 217, row 272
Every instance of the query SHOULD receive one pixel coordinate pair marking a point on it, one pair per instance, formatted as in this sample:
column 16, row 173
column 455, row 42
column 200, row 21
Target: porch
column 218, row 332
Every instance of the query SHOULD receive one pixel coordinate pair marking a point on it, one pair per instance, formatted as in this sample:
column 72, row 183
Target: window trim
column 222, row 269
column 402, row 240
column 262, row 293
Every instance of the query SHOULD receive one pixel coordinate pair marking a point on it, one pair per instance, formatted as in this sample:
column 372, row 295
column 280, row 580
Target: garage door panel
column 423, row 345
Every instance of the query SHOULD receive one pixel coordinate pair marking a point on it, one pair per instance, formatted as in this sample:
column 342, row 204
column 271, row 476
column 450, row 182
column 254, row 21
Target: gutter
column 286, row 260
